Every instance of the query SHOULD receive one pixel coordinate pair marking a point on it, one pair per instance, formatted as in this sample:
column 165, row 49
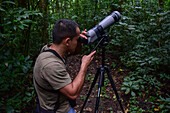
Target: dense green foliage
column 145, row 44
column 140, row 40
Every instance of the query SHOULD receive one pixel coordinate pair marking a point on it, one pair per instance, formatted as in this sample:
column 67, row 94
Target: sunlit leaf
column 1, row 9
column 9, row 2
column 127, row 90
column 133, row 93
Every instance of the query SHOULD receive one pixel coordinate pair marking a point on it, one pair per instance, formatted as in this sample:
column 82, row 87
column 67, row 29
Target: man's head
column 64, row 28
column 67, row 32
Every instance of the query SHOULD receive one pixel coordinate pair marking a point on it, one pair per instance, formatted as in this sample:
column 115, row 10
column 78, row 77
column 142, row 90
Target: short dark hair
column 64, row 28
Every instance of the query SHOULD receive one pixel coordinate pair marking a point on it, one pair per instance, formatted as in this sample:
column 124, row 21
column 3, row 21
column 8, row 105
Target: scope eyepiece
column 83, row 40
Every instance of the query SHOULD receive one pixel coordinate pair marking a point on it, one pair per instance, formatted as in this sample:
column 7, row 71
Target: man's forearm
column 79, row 80
column 73, row 89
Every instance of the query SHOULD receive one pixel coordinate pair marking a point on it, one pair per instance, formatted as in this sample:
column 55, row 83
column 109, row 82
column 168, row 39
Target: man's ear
column 67, row 41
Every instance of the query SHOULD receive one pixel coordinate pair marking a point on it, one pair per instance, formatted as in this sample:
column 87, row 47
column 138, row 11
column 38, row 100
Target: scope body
column 96, row 32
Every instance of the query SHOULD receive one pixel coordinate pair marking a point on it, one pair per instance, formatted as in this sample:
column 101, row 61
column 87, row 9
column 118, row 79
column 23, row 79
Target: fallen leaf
column 126, row 110
column 156, row 109
column 88, row 109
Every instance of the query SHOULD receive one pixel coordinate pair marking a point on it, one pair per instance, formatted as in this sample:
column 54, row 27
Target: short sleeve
column 56, row 75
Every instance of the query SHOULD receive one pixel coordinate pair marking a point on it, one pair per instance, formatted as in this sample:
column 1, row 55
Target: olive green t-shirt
column 50, row 73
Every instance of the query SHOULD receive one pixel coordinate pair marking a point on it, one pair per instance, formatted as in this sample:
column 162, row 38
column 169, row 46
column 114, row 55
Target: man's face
column 74, row 41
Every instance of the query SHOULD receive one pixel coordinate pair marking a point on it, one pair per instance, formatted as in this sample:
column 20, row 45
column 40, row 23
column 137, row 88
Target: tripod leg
column 93, row 83
column 99, row 89
column 114, row 88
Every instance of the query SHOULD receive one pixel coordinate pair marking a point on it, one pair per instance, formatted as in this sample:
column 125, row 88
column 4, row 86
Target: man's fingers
column 92, row 53
column 84, row 32
column 83, row 36
column 92, row 57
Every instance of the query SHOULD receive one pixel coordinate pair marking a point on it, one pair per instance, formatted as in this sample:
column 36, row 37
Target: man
column 51, row 80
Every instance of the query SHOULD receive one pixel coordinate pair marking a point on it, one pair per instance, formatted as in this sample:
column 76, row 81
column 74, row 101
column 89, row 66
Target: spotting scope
column 97, row 31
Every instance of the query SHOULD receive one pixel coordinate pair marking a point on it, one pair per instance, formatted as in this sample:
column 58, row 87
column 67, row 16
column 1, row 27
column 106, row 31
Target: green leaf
column 21, row 10
column 27, row 58
column 126, row 83
column 142, row 64
column 114, row 96
column 15, row 20
column 127, row 90
column 168, row 107
column 123, row 88
column 136, row 87
column 9, row 2
column 15, row 27
column 161, row 106
column 21, row 26
column 28, row 21
column 130, row 83
column 25, row 25
column 28, row 93
column 1, row 9
column 8, row 23
column 133, row 93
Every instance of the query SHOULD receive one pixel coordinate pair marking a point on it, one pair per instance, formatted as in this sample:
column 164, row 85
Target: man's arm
column 73, row 90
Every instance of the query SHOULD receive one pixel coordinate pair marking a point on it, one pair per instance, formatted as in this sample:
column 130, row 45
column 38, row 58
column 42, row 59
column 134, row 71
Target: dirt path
column 108, row 100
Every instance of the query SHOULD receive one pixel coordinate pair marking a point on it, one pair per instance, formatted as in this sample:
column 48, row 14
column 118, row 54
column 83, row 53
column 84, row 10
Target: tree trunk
column 95, row 11
column 77, row 9
column 43, row 8
column 22, row 3
column 161, row 3
column 26, row 32
column 65, row 8
column 58, row 8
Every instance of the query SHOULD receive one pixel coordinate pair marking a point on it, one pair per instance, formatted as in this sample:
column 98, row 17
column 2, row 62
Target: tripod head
column 103, row 41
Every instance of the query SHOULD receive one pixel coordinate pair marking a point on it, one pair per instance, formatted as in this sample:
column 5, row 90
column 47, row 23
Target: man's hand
column 86, row 60
column 83, row 33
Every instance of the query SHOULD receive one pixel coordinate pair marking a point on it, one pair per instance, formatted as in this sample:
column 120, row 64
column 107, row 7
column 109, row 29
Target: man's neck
column 59, row 49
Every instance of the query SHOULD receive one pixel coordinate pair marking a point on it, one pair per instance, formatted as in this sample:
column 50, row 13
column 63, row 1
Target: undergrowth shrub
column 142, row 42
column 16, row 87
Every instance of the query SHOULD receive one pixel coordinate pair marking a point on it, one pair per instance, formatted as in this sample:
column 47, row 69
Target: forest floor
column 108, row 101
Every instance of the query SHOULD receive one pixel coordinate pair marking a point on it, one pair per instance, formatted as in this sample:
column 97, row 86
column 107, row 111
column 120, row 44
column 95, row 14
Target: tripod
column 100, row 70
